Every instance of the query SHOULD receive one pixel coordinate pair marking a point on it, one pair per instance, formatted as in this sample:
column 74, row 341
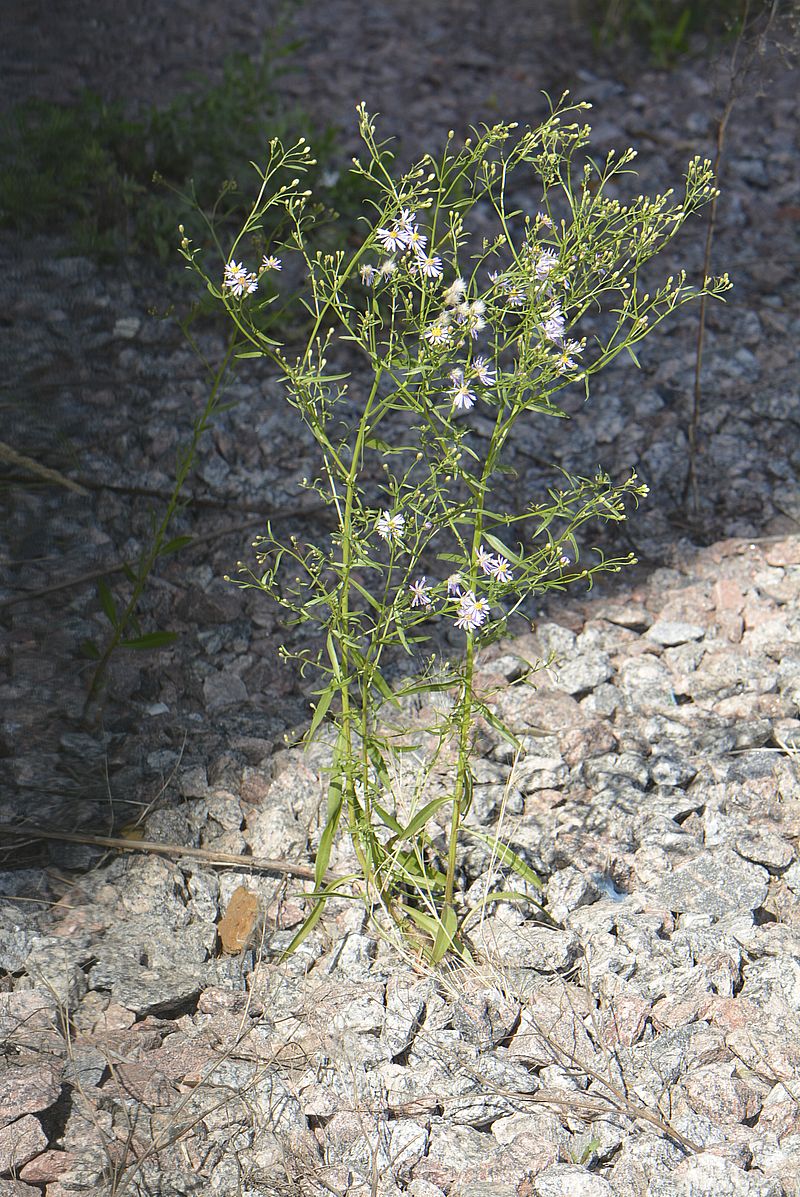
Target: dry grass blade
column 34, row 467
column 221, row 859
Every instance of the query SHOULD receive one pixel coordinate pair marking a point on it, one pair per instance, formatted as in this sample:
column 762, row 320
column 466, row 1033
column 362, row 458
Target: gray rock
column 646, row 683
column 701, row 1175
column 716, row 883
column 584, row 672
column 643, row 1161
column 146, row 990
column 671, row 771
column 567, row 889
column 668, row 632
column 405, row 1006
column 764, row 847
column 570, row 1180
column 16, row 936
column 20, row 1141
column 28, row 1088
column 56, row 963
column 222, row 690
column 531, row 946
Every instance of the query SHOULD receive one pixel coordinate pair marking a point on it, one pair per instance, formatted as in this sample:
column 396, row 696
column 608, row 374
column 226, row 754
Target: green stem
column 149, row 559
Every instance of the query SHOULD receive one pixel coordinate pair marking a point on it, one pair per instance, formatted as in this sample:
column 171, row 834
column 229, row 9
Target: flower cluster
column 472, row 610
column 239, row 281
column 403, row 236
column 462, row 391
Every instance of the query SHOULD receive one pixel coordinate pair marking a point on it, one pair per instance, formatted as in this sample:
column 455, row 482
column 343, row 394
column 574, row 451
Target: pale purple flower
column 545, row 263
column 475, row 324
column 501, row 570
column 238, row 280
column 515, row 295
column 463, row 398
column 419, row 593
column 454, row 583
column 438, row 332
column 367, row 275
column 483, row 372
column 472, row 612
column 390, row 527
column 485, row 560
column 554, row 324
column 405, row 221
column 271, row 263
column 565, row 360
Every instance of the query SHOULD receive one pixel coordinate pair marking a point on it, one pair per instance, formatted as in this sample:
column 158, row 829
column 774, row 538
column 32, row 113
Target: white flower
column 515, row 295
column 501, row 570
column 546, row 262
column 438, row 333
column 387, row 267
column 455, row 292
column 463, row 398
column 429, row 264
column 405, row 221
column 390, row 527
column 485, row 560
column 269, row 263
column 367, row 275
column 238, row 280
column 483, row 372
column 392, row 239
column 416, row 241
column 477, row 307
column 565, row 361
column 543, row 218
column 472, row 612
column 454, row 583
column 554, row 324
column 419, row 593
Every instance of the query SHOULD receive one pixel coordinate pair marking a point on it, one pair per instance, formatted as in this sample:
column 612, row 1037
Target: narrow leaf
column 445, row 934
column 150, row 640
column 176, row 544
column 107, row 602
column 508, row 856
column 321, row 709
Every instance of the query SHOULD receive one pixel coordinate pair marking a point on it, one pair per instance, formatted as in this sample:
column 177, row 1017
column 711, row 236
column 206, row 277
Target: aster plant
column 449, row 323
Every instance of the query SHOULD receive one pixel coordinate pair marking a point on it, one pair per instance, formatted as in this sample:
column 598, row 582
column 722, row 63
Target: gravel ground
column 647, row 1044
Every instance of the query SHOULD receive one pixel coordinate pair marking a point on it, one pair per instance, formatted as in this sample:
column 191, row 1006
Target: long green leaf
column 150, row 640
column 445, row 934
column 423, row 816
column 508, row 856
column 107, row 602
column 321, row 709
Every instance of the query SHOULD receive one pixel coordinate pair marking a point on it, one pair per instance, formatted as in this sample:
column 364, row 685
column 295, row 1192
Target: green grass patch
column 118, row 183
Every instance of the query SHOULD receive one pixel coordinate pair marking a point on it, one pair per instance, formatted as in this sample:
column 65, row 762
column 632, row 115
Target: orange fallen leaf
column 236, row 926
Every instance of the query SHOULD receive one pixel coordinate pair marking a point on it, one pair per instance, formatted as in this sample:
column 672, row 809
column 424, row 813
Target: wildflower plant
column 449, row 323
